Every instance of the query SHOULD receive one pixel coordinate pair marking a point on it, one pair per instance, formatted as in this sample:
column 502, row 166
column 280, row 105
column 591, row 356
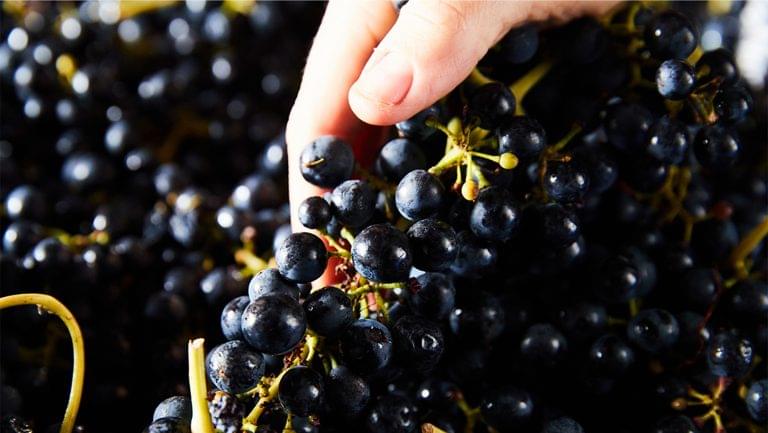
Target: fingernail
column 386, row 79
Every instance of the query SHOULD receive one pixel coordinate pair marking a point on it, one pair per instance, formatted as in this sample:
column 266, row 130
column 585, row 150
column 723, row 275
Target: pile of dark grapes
column 139, row 151
column 573, row 240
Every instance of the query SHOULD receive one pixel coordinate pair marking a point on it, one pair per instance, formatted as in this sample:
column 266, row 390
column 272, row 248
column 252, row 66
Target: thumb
column 433, row 46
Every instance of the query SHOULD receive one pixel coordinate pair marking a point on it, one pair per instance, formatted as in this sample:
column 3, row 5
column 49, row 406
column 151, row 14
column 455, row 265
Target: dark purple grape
column 399, row 157
column 25, row 202
column 353, row 203
column 347, row 394
column 419, row 195
column 231, row 317
column 328, row 311
column 523, row 136
column 668, row 141
column 732, row 104
column 416, row 127
column 716, row 148
column 565, row 182
column 301, row 391
column 495, row 216
column 366, row 346
column 475, row 256
column 176, row 407
column 562, row 425
column 314, row 213
column 653, row 330
column 757, row 400
column 480, row 318
column 729, row 355
column 269, row 282
column 392, row 414
column 168, row 425
column 506, row 408
column 433, row 245
column 418, row 343
column 626, row 126
column 492, row 104
column 234, row 367
column 610, row 356
column 431, row 295
column 675, row 79
column 381, row 253
column 543, row 344
column 327, row 161
column 717, row 64
column 273, row 324
column 670, row 35
column 301, row 258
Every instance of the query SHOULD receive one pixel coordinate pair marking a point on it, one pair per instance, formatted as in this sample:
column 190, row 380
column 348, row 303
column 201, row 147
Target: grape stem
column 431, row 428
column 201, row 418
column 52, row 305
column 524, row 84
column 266, row 396
column 746, row 246
column 252, row 262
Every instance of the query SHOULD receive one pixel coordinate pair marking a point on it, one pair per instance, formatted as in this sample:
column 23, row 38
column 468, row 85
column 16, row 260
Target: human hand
column 370, row 66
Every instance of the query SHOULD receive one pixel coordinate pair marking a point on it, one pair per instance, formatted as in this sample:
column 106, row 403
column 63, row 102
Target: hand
column 370, row 66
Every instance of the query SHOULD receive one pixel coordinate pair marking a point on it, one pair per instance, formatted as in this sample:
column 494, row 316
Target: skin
column 370, row 66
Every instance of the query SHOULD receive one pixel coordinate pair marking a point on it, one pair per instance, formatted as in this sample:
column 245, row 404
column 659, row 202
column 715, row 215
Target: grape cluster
column 142, row 178
column 572, row 240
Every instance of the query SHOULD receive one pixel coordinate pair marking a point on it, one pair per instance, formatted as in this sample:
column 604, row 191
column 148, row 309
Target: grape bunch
column 573, row 240
column 140, row 150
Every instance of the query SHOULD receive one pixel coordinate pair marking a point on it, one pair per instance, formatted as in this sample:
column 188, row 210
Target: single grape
column 492, row 104
column 653, row 330
column 381, row 253
column 353, row 203
column 399, row 157
column 328, row 311
column 732, row 104
column 301, row 258
column 757, row 400
column 418, row 342
column 177, row 407
column 231, row 317
column 314, row 212
column 268, row 282
column 675, row 79
column 668, row 141
column 347, row 393
column 506, row 408
column 431, row 295
column 327, row 161
column 392, row 414
column 433, row 245
column 494, row 216
column 670, row 35
column 562, row 425
column 419, row 195
column 234, row 367
column 729, row 355
column 273, row 324
column 522, row 136
column 366, row 346
column 301, row 391
column 611, row 356
column 168, row 425
column 543, row 344
column 565, row 182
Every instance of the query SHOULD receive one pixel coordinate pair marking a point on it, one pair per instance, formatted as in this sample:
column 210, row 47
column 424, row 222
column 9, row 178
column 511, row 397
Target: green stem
column 201, row 418
column 522, row 86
